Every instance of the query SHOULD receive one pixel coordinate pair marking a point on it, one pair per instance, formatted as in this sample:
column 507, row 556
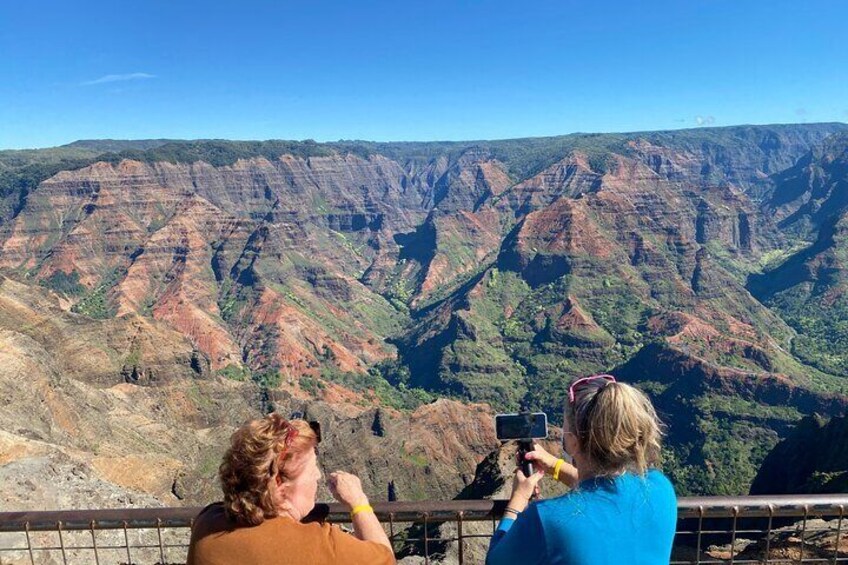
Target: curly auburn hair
column 259, row 451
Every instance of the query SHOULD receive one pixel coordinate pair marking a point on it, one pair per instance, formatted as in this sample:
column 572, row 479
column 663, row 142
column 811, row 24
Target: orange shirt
column 217, row 540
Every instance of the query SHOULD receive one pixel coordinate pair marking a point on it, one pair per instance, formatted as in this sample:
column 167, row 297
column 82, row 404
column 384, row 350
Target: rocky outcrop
column 811, row 190
column 812, row 459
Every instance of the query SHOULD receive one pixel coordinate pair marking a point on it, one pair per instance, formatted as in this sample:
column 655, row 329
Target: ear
column 277, row 487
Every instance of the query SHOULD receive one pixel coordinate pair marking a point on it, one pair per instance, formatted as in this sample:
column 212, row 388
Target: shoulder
column 660, row 482
column 549, row 504
column 561, row 507
column 661, row 493
column 213, row 517
column 216, row 508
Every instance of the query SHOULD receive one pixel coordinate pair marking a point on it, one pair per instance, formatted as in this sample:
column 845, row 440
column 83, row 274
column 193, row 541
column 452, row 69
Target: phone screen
column 521, row 426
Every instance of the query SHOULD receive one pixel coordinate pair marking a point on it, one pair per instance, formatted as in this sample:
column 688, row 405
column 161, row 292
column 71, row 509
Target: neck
column 288, row 512
column 284, row 508
column 585, row 470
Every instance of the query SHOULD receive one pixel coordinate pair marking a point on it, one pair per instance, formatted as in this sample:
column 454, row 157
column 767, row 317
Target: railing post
column 392, row 529
column 61, row 542
column 838, row 534
column 733, row 535
column 94, row 543
column 768, row 532
column 426, row 541
column 29, row 544
column 127, row 542
column 459, row 536
column 803, row 534
column 159, row 533
column 700, row 532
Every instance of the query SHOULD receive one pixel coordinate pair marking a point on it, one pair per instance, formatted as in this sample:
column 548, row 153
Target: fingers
column 537, row 490
column 346, row 488
column 539, row 449
column 337, row 478
column 535, row 478
column 524, row 487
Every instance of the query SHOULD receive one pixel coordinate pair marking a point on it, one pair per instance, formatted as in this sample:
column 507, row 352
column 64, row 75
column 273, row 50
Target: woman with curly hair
column 622, row 509
column 270, row 477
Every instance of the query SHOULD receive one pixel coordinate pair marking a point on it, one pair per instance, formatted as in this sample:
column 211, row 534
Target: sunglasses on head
column 281, row 424
column 315, row 426
column 579, row 382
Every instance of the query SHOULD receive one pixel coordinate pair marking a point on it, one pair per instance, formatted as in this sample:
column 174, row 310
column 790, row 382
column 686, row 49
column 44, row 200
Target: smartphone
column 521, row 426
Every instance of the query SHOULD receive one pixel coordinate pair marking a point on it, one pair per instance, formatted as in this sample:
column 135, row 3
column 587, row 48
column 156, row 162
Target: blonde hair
column 259, row 451
column 616, row 426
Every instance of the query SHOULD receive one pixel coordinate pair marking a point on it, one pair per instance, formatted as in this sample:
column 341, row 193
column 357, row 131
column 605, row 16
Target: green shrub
column 268, row 379
column 235, row 373
column 65, row 283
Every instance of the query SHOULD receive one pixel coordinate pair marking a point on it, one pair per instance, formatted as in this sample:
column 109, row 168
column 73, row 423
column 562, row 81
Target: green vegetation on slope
column 822, row 340
column 64, row 283
column 386, row 383
column 96, row 303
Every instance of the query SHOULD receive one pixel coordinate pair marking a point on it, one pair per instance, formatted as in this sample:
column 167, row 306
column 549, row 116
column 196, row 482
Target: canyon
column 155, row 294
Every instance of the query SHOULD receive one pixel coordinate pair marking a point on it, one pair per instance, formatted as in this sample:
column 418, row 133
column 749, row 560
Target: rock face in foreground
column 813, row 459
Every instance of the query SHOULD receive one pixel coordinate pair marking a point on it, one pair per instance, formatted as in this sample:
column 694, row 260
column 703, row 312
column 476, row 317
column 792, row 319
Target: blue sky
column 409, row 70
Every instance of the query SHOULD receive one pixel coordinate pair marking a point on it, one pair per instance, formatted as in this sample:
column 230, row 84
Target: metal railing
column 735, row 530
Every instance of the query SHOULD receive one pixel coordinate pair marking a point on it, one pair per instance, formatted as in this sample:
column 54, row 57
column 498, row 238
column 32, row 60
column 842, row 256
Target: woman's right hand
column 347, row 489
column 544, row 460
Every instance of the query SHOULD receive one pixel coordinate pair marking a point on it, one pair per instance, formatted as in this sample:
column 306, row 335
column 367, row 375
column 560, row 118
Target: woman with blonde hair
column 622, row 509
column 270, row 477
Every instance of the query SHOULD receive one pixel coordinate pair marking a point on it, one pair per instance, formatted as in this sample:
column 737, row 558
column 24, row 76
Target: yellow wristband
column 557, row 467
column 361, row 508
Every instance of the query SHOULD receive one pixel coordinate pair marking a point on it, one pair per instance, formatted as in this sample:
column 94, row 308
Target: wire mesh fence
column 711, row 530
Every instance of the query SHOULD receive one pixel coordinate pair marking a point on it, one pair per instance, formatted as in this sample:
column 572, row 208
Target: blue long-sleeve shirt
column 629, row 519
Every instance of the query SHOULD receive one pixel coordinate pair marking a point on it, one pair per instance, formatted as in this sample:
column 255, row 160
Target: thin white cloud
column 704, row 120
column 119, row 78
